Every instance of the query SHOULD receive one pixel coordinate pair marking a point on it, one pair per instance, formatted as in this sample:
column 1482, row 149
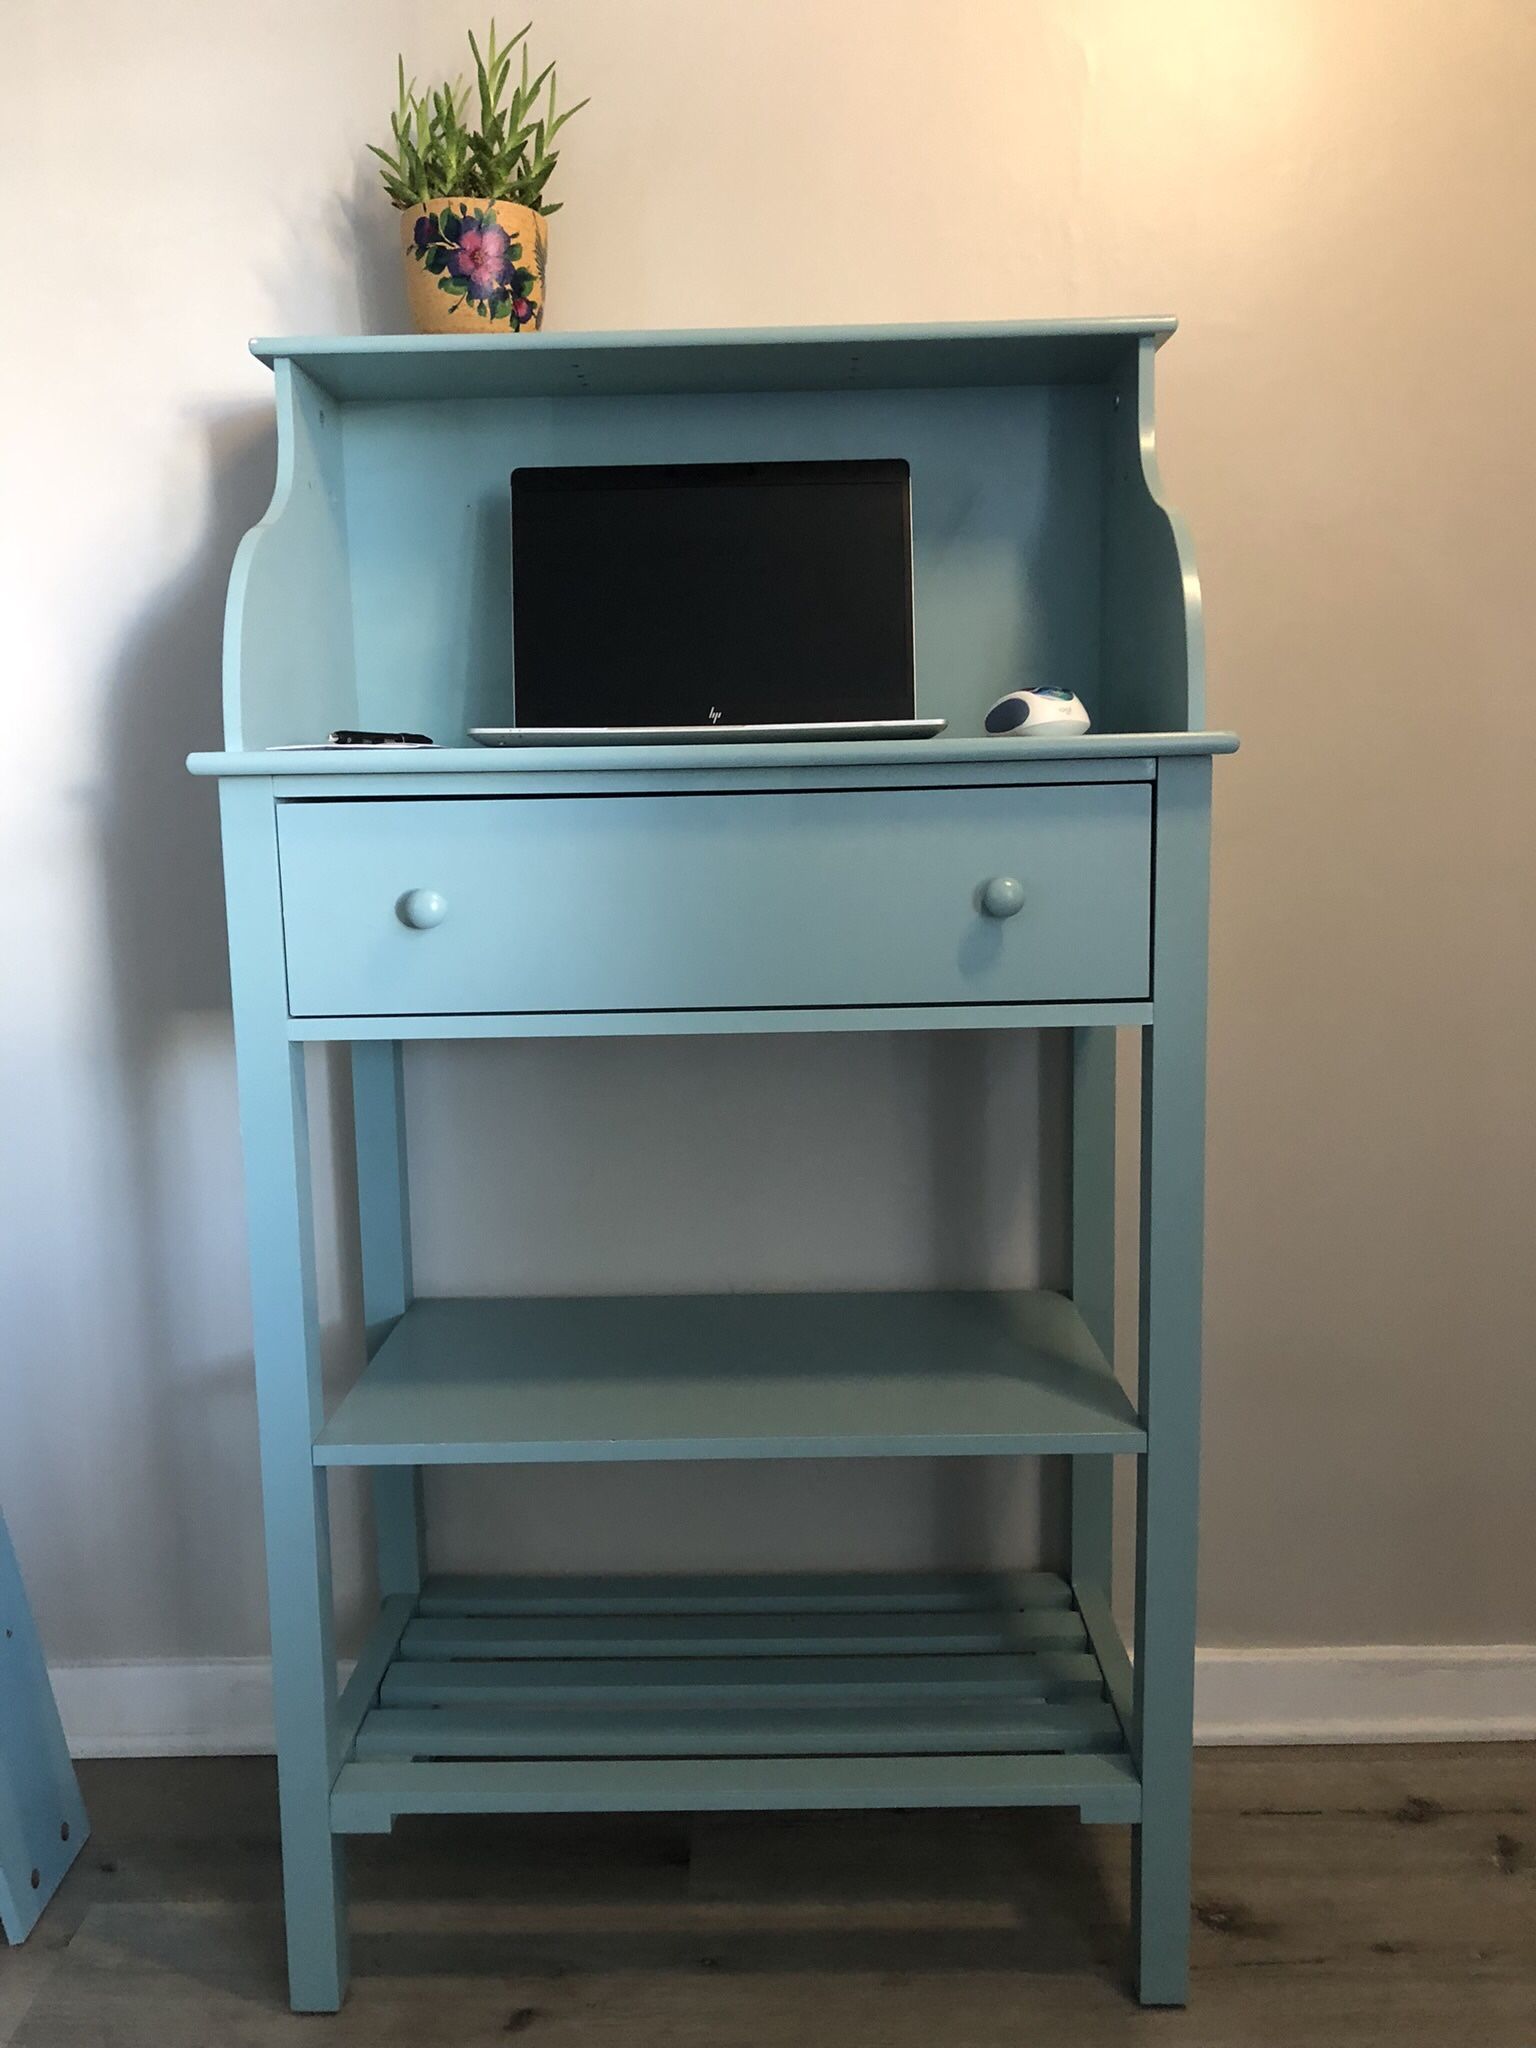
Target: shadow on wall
column 361, row 245
column 160, row 836
column 162, row 892
column 373, row 251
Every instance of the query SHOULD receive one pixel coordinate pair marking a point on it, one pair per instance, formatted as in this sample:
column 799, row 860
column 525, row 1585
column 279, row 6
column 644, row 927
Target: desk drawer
column 805, row 899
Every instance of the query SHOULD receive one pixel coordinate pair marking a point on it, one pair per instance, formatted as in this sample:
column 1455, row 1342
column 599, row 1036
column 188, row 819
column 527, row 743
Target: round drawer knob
column 1002, row 896
column 421, row 909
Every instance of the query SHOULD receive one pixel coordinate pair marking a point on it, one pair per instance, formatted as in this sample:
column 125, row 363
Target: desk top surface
column 811, row 755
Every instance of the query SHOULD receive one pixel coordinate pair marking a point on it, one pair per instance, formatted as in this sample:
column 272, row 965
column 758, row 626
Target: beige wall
column 1338, row 198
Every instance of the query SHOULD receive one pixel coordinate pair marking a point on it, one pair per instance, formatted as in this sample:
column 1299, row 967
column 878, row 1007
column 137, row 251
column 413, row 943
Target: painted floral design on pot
column 465, row 263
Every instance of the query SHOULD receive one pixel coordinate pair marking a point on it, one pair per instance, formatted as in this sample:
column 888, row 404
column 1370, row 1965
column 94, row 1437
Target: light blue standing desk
column 375, row 899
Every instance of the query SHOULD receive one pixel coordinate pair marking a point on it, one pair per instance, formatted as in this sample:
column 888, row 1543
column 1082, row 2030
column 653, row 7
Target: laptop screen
column 731, row 593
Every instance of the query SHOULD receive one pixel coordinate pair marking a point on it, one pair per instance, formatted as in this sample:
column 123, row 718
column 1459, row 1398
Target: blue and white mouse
column 1043, row 710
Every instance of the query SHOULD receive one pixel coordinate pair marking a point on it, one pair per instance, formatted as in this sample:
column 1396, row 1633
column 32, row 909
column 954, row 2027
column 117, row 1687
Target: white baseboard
column 1375, row 1693
column 220, row 1707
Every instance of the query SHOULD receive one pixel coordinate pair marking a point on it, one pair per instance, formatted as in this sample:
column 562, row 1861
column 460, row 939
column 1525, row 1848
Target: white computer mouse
column 1045, row 710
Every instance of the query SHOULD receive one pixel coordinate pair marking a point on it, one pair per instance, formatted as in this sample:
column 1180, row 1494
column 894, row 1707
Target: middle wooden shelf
column 477, row 1381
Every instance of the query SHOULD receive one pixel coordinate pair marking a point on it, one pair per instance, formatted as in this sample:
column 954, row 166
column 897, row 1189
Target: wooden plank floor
column 1344, row 1898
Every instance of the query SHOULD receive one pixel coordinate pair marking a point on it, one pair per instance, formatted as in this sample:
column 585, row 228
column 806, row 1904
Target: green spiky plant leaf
column 508, row 154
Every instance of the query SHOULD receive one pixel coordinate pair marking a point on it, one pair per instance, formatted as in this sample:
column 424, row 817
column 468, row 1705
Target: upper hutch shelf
column 715, row 362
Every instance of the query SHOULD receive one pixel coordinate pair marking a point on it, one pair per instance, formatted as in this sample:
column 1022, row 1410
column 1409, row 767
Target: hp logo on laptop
column 714, row 714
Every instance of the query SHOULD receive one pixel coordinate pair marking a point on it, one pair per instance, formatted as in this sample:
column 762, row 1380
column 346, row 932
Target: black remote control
column 345, row 737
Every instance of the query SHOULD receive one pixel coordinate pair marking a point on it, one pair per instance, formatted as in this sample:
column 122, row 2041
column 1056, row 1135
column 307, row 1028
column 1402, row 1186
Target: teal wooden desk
column 375, row 899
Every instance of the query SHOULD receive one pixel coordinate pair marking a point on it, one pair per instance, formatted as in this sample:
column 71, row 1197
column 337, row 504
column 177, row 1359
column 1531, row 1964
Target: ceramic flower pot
column 474, row 266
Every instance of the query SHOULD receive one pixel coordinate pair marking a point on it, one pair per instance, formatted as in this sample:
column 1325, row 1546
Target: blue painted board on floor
column 42, row 1816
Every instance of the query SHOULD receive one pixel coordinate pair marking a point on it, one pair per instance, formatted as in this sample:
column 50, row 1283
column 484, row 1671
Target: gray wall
column 1339, row 201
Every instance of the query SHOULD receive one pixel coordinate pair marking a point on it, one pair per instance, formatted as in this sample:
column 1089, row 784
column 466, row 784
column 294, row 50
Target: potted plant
column 471, row 199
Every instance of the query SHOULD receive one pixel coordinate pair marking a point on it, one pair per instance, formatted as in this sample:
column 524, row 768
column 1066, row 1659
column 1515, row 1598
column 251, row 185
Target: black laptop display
column 712, row 594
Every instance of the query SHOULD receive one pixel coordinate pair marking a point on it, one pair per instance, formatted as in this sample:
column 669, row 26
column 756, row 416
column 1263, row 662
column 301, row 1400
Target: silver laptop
column 698, row 603
column 703, row 735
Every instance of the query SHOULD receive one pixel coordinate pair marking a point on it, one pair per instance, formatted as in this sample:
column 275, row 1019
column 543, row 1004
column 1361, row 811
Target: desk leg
column 1172, row 1231
column 384, row 1232
column 1093, row 1283
column 274, row 1129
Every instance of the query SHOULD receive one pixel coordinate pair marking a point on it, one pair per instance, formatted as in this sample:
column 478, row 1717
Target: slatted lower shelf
column 508, row 1695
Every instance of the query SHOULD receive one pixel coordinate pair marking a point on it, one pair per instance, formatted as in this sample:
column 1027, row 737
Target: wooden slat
column 766, row 1681
column 481, row 1637
column 362, row 1688
column 964, row 1728
column 764, row 1593
column 1105, row 1639
column 368, row 1796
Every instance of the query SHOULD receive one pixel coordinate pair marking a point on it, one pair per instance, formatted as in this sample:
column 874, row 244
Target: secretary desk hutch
column 954, row 884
